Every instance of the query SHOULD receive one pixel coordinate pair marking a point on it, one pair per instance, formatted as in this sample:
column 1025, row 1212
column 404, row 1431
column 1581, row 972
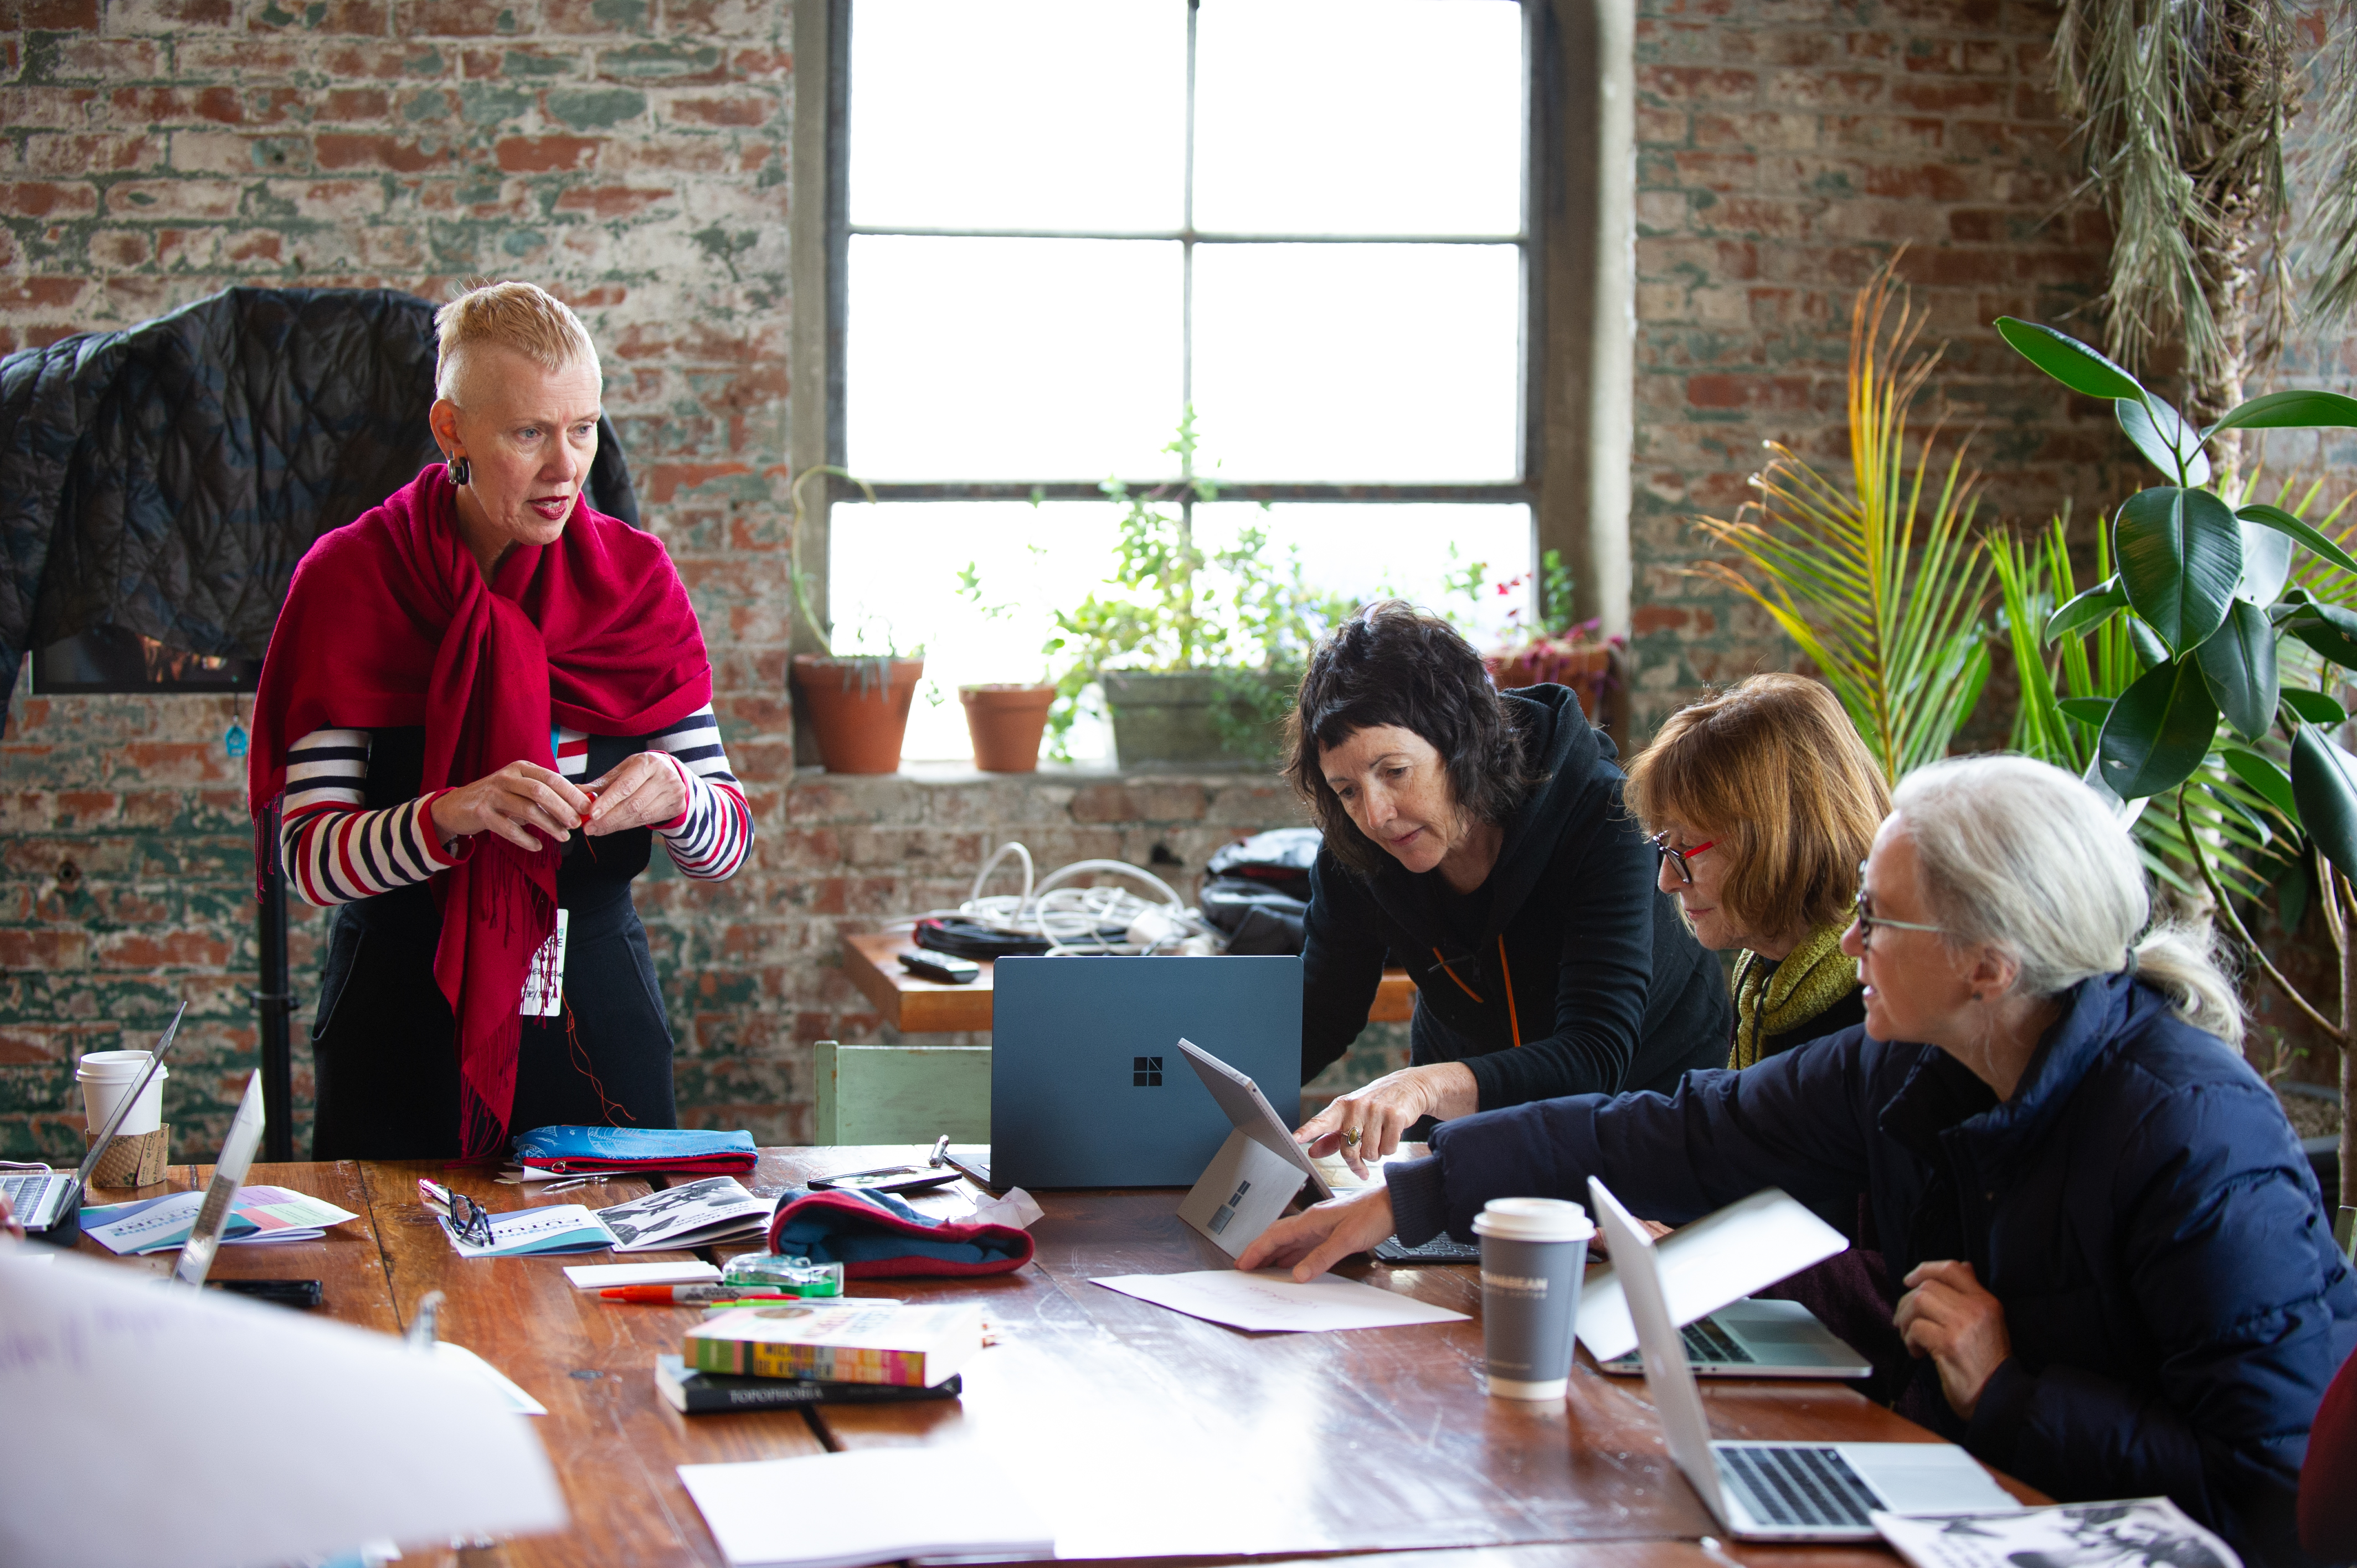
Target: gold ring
column 1351, row 1138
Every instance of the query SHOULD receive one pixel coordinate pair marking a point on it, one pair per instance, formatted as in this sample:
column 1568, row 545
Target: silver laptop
column 45, row 1200
column 1756, row 1338
column 1776, row 1491
column 229, row 1175
column 1259, row 1170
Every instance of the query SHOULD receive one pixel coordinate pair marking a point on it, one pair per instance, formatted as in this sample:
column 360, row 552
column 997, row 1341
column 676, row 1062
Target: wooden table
column 918, row 1006
column 1145, row 1432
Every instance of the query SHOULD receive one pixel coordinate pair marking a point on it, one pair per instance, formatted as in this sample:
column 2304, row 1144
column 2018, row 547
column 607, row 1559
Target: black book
column 702, row 1393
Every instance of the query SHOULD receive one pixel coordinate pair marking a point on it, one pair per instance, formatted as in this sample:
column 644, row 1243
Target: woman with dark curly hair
column 1478, row 838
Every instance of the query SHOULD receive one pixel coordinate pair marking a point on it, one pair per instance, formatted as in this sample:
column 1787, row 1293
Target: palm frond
column 1881, row 582
column 2329, row 228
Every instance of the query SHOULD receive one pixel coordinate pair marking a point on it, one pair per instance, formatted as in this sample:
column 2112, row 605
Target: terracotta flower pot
column 1006, row 723
column 1584, row 667
column 860, row 708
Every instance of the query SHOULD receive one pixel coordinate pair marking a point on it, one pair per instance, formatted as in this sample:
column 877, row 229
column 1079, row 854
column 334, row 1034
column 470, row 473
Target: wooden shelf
column 916, row 1006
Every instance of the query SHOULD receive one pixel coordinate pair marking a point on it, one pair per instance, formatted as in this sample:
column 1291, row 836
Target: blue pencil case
column 577, row 1150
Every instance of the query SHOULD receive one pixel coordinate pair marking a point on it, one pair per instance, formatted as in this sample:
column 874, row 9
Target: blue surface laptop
column 1087, row 1085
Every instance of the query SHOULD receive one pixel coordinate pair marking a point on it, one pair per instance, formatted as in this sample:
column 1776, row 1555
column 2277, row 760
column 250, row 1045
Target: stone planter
column 1166, row 723
column 1005, row 722
column 860, row 708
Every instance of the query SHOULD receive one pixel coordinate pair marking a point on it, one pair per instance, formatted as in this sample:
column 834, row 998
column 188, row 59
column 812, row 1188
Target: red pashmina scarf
column 389, row 623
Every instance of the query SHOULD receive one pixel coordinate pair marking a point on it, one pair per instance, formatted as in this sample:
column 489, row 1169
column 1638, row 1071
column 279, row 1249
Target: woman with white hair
column 484, row 701
column 2119, row 1272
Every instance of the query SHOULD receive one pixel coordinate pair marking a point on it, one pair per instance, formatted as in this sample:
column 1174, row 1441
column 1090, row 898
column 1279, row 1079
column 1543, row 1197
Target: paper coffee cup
column 106, row 1077
column 1534, row 1254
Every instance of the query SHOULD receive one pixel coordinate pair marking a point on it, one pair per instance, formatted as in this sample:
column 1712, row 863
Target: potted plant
column 1196, row 653
column 1550, row 647
column 1005, row 719
column 857, row 703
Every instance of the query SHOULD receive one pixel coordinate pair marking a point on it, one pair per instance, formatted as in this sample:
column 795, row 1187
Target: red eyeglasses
column 1663, row 849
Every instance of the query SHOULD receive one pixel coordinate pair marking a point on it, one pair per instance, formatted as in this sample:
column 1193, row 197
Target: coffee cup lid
column 110, row 1065
column 1534, row 1220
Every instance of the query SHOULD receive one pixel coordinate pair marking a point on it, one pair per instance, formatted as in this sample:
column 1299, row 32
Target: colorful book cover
column 852, row 1341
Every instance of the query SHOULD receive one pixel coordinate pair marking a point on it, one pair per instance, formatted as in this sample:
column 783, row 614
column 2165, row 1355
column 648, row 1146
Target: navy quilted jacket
column 2141, row 1208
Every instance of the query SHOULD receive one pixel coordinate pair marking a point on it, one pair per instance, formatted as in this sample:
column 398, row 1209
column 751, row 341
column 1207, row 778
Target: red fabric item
column 2328, row 1477
column 389, row 623
column 872, row 1243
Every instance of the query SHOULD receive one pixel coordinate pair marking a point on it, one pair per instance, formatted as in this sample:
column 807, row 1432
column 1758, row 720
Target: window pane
column 897, row 565
column 1011, row 358
column 1019, row 114
column 1449, row 559
column 1359, row 117
column 1359, row 363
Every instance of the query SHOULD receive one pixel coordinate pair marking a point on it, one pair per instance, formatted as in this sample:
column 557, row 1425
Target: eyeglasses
column 471, row 1221
column 1867, row 919
column 1663, row 849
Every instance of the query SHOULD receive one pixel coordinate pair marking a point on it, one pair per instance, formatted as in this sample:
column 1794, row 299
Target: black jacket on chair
column 1609, row 990
column 165, row 478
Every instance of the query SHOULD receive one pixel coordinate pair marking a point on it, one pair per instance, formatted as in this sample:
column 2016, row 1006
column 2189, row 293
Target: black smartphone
column 888, row 1179
column 947, row 968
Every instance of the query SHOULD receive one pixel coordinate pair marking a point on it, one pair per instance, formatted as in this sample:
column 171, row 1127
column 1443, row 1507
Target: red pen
column 692, row 1295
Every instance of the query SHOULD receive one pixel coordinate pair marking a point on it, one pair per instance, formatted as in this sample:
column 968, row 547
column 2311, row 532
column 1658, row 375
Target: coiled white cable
column 1082, row 919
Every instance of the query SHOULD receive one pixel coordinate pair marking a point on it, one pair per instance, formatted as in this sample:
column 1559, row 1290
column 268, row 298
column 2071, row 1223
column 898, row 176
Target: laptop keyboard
column 1442, row 1248
column 1707, row 1341
column 1795, row 1488
column 24, row 1190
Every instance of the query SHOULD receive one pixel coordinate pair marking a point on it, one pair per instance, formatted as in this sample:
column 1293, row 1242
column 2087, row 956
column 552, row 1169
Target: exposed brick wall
column 1785, row 149
column 632, row 153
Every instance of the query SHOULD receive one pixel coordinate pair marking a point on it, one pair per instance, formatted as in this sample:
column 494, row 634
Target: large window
column 1062, row 223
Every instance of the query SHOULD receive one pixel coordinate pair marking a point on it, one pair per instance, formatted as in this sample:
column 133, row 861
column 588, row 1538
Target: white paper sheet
column 1017, row 1208
column 510, row 1392
column 689, row 1215
column 357, row 1436
column 1270, row 1299
column 842, row 1510
column 612, row 1276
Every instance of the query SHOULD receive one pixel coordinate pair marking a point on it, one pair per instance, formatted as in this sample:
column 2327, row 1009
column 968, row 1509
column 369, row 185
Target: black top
column 1610, row 989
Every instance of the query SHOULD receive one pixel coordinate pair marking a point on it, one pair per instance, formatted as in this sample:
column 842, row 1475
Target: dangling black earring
column 460, row 472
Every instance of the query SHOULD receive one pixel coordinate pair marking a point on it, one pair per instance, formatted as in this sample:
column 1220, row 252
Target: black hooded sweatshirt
column 1610, row 992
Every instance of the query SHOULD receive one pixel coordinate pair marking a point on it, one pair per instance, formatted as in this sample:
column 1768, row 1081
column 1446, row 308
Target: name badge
column 543, row 983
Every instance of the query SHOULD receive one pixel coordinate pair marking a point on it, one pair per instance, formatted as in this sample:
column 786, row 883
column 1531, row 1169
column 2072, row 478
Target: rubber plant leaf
column 2066, row 359
column 2089, row 610
column 2267, row 565
column 2238, row 663
column 2288, row 411
column 2158, row 731
column 2324, row 782
column 2262, row 773
column 2086, row 710
column 2180, row 554
column 2295, row 527
column 2314, row 707
column 2329, row 630
column 2167, row 441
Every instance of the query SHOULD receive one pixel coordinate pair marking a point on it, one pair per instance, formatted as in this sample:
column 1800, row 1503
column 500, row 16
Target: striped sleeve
column 709, row 840
column 335, row 849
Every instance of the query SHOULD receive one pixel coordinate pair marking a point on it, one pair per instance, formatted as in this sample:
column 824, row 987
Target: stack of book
column 796, row 1353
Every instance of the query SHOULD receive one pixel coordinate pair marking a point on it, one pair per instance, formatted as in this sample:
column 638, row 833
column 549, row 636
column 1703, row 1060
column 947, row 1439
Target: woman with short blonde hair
column 484, row 701
column 1761, row 803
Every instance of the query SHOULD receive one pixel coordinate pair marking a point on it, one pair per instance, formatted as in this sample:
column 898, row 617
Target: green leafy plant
column 1879, row 580
column 864, row 666
column 2209, row 582
column 1245, row 612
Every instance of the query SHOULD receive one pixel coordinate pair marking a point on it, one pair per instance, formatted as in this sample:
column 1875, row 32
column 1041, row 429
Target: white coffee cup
column 1534, row 1250
column 106, row 1077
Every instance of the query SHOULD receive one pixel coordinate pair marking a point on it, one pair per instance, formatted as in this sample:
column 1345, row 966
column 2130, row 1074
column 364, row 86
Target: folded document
column 258, row 1213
